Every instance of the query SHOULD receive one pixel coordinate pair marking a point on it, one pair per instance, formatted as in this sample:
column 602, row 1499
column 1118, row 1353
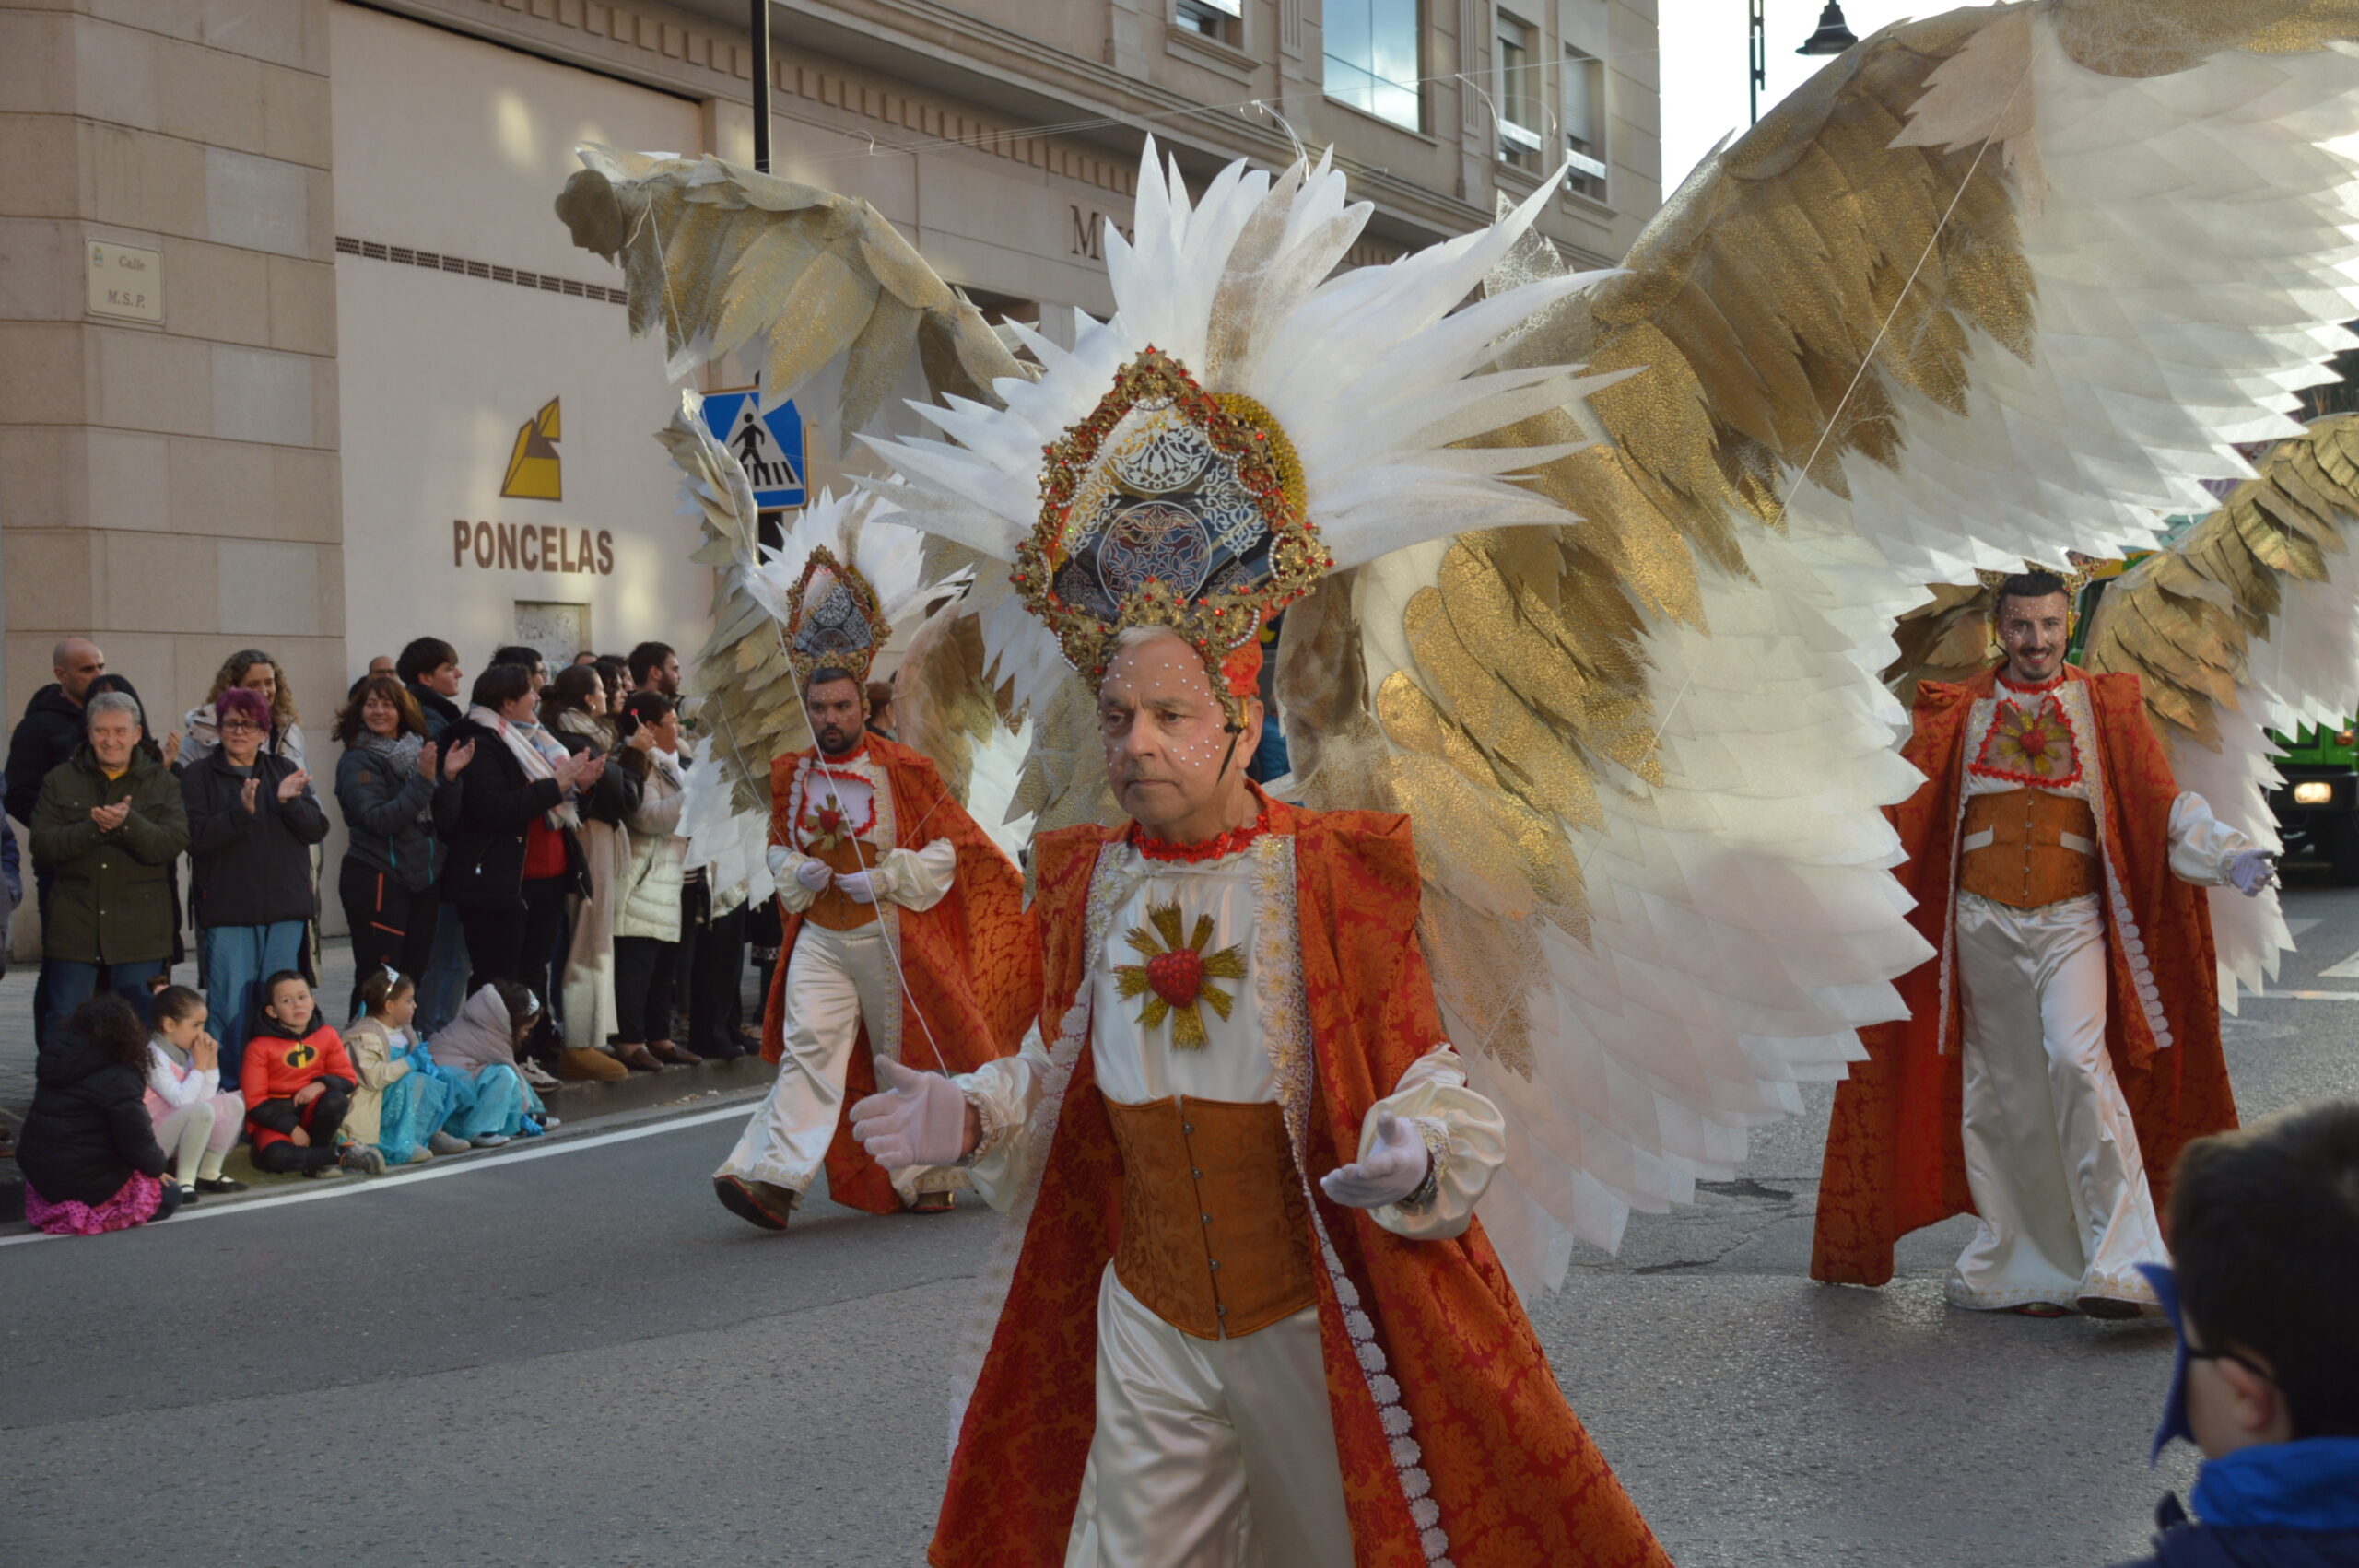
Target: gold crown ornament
column 1172, row 507
column 833, row 619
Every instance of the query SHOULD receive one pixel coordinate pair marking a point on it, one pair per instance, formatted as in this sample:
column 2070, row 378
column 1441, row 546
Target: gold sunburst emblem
column 1177, row 977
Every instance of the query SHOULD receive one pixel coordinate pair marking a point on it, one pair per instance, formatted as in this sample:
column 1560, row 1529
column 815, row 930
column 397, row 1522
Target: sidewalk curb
column 579, row 1107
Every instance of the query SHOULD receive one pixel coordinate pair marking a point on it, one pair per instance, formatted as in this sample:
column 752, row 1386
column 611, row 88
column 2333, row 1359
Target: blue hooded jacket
column 2275, row 1506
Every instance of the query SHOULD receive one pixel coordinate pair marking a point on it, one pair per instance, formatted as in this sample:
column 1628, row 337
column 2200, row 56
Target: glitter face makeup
column 1167, row 740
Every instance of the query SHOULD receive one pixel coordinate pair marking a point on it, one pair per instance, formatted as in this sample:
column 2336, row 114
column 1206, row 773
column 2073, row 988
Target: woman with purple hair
column 252, row 820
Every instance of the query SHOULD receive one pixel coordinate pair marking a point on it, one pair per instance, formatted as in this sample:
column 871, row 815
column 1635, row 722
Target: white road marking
column 449, row 1167
column 2346, row 970
column 2311, row 996
column 2297, row 927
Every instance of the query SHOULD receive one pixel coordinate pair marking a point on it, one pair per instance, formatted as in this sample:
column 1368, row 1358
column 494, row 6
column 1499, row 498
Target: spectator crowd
column 522, row 906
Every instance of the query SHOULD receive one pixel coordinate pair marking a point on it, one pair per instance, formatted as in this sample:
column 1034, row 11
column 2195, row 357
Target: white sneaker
column 490, row 1140
column 538, row 1077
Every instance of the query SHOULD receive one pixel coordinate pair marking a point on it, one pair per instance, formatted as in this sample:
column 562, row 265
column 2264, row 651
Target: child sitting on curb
column 475, row 1053
column 2265, row 1292
column 197, row 1119
column 400, row 1106
column 299, row 1084
column 89, row 1152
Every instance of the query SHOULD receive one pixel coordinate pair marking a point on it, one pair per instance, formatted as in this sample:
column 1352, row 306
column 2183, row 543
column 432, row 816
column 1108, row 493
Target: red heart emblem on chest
column 1178, row 976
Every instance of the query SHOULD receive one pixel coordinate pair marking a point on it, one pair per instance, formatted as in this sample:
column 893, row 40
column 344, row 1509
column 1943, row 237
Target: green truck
column 2317, row 806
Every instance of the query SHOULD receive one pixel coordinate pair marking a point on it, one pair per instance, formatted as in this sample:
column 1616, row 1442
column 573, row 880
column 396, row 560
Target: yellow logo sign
column 532, row 467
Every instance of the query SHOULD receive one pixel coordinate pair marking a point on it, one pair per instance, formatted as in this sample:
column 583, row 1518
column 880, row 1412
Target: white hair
column 113, row 702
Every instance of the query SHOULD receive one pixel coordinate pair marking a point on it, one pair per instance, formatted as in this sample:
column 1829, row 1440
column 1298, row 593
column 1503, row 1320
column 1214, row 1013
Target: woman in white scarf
column 572, row 706
column 515, row 859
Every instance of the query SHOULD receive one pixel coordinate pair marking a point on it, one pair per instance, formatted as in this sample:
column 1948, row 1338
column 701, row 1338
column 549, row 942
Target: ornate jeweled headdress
column 1249, row 420
column 833, row 619
column 1170, row 507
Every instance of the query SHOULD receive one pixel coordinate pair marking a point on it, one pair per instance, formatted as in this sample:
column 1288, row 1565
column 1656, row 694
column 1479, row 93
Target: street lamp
column 1833, row 37
column 759, row 25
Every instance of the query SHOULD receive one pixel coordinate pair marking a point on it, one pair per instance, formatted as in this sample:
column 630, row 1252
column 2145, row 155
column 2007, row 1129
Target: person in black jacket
column 429, row 669
column 89, row 1149
column 251, row 822
column 397, row 789
column 513, row 860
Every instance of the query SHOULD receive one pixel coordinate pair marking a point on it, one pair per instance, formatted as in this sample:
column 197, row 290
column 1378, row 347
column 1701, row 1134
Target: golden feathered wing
column 2249, row 624
column 1991, row 285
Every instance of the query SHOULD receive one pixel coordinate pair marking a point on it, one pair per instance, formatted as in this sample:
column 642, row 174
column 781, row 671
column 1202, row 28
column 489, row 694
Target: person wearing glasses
column 252, row 820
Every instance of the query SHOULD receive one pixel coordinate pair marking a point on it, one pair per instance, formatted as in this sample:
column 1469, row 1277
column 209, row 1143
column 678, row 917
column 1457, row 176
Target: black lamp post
column 760, row 27
column 1833, row 37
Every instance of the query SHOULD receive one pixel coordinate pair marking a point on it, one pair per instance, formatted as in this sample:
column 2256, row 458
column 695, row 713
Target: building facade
column 295, row 354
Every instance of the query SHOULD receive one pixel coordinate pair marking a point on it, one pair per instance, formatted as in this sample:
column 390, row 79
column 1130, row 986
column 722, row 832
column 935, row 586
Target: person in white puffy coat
column 647, row 913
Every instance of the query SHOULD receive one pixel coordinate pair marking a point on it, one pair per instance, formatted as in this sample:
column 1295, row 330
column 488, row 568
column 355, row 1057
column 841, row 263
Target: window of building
column 1585, row 124
column 1372, row 54
column 1517, row 95
column 1222, row 22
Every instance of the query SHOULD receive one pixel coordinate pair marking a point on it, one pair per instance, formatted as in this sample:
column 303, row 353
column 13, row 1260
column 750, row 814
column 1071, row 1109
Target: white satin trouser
column 2051, row 1154
column 1209, row 1453
column 832, row 981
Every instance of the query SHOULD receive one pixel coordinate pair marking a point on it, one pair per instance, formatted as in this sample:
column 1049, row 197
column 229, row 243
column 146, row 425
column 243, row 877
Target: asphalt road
column 578, row 1359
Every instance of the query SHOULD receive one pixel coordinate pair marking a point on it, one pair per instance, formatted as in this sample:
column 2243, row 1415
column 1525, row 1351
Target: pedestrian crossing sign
column 768, row 447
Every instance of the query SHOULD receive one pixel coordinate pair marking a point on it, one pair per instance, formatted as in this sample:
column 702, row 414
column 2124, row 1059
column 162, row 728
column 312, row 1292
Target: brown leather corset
column 834, row 908
column 2042, row 848
column 1215, row 1230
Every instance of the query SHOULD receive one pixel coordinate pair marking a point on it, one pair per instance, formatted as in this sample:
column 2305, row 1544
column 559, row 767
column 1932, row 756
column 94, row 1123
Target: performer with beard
column 904, row 927
column 2063, row 1045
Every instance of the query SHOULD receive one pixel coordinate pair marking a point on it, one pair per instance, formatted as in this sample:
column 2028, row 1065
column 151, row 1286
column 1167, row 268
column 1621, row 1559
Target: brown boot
column 756, row 1203
column 582, row 1065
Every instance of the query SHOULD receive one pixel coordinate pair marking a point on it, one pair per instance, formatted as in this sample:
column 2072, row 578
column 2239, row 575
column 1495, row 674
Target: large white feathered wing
column 1976, row 295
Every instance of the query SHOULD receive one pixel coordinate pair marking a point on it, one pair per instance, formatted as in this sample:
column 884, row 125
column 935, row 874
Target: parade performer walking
column 1608, row 640
column 2064, row 1044
column 1236, row 1001
column 906, row 935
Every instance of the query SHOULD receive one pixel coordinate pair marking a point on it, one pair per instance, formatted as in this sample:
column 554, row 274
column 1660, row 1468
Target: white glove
column 2250, row 872
column 858, row 887
column 1395, row 1168
column 920, row 1119
column 814, row 875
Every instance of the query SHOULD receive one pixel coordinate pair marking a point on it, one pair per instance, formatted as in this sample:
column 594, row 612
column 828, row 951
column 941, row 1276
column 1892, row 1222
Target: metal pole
column 760, row 83
column 1757, row 51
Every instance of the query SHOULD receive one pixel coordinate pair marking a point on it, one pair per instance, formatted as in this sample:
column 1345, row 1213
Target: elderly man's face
column 111, row 737
column 1169, row 754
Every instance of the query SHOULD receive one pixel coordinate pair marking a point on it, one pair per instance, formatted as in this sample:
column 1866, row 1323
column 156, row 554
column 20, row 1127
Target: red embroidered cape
column 1519, row 1481
column 1895, row 1158
column 971, row 963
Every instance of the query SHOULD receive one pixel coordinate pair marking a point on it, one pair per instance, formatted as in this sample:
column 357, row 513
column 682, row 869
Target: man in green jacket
column 106, row 831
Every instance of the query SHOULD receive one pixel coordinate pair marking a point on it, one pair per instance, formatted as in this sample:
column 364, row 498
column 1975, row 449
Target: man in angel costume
column 1629, row 699
column 905, row 931
column 1249, row 1317
column 2064, row 1045
column 1286, row 1369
